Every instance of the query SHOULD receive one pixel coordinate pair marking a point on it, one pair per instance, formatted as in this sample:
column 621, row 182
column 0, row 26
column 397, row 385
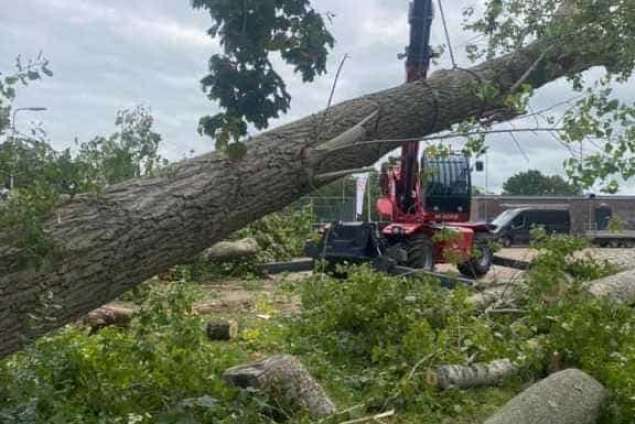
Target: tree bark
column 284, row 379
column 619, row 288
column 567, row 397
column 111, row 241
column 462, row 377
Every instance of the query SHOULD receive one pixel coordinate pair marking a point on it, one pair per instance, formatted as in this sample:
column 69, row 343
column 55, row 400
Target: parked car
column 513, row 226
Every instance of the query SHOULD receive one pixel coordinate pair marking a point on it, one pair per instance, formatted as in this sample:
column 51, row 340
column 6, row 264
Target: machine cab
column 447, row 186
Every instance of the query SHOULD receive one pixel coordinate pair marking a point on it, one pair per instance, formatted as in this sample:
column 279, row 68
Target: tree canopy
column 243, row 79
column 535, row 183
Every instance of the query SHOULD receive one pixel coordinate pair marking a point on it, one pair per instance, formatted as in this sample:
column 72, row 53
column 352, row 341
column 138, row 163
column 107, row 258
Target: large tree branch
column 112, row 241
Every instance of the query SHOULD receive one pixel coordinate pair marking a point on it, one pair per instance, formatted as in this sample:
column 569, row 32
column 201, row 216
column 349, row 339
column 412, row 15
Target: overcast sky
column 113, row 54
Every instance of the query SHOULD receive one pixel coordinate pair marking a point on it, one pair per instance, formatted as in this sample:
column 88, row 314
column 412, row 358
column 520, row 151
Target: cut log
column 106, row 244
column 284, row 379
column 223, row 330
column 108, row 315
column 462, row 377
column 567, row 397
column 231, row 250
column 619, row 287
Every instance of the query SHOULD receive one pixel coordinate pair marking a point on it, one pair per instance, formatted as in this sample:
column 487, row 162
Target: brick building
column 587, row 213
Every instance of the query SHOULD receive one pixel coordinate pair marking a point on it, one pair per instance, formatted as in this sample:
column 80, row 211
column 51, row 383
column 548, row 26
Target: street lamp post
column 13, row 134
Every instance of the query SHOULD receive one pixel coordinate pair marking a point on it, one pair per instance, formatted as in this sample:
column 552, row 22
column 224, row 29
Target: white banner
column 362, row 181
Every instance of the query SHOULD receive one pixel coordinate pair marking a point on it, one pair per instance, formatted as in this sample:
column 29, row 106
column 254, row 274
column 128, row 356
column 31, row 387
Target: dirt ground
column 264, row 297
column 260, row 297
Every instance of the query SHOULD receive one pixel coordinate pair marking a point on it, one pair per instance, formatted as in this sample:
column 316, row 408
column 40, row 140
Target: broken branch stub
column 567, row 397
column 285, row 380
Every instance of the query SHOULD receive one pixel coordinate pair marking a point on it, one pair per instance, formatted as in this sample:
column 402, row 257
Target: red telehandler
column 425, row 208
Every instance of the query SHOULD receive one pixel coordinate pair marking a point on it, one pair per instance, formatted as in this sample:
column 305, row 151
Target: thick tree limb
column 567, row 397
column 463, row 377
column 110, row 242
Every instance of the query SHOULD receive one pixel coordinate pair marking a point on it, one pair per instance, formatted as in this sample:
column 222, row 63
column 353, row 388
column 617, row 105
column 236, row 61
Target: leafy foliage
column 598, row 125
column 130, row 152
column 162, row 369
column 281, row 236
column 43, row 177
column 603, row 126
column 589, row 333
column 370, row 340
column 534, row 183
column 243, row 79
column 24, row 74
column 387, row 331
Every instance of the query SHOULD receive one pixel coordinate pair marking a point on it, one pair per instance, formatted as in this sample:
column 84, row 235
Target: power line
column 518, row 146
column 447, row 34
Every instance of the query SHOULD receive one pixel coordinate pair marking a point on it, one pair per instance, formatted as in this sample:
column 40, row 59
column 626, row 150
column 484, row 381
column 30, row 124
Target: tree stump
column 222, row 330
column 567, row 397
column 463, row 377
column 285, row 380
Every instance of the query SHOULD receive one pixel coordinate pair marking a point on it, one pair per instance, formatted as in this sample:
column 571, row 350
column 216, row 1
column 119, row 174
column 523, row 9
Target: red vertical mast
column 419, row 55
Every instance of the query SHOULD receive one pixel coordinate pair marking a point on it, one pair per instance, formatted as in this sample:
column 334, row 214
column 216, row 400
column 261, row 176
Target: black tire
column 420, row 252
column 506, row 241
column 479, row 265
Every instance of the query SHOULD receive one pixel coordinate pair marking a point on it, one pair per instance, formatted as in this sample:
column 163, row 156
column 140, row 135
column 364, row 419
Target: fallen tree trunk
column 231, row 250
column 462, row 377
column 109, row 242
column 567, row 397
column 619, row 287
column 286, row 381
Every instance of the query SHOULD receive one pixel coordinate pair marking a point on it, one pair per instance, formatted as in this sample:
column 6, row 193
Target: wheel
column 479, row 265
column 420, row 252
column 506, row 241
